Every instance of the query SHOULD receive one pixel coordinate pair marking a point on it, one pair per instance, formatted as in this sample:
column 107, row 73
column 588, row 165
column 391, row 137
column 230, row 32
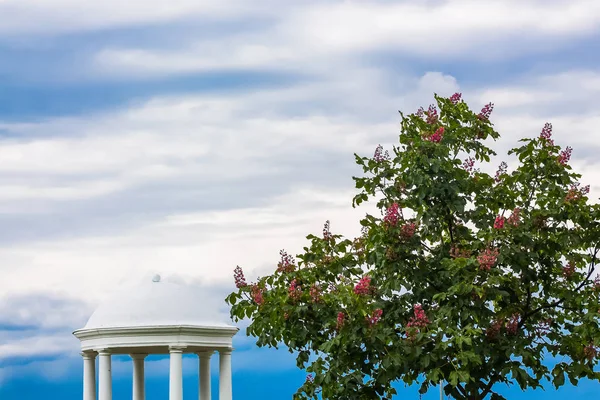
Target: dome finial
column 156, row 278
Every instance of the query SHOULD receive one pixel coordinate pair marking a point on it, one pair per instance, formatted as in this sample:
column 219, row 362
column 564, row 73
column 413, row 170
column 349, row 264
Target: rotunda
column 156, row 317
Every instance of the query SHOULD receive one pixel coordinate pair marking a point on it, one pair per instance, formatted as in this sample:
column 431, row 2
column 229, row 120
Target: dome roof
column 157, row 303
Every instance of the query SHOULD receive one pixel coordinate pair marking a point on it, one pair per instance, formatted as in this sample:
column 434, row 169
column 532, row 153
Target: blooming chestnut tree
column 465, row 279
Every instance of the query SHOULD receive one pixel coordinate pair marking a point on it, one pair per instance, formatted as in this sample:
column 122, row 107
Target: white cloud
column 183, row 138
column 47, row 309
column 566, row 91
column 38, row 346
column 65, row 16
column 445, row 28
column 328, row 36
column 356, row 24
column 187, row 137
column 222, row 139
column 207, row 247
column 98, row 149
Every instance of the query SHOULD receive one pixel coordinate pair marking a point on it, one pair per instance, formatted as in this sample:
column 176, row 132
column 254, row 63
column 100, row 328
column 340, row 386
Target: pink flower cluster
column 315, row 293
column 597, row 283
column 515, row 217
column 310, row 378
column 487, row 259
column 379, row 155
column 469, row 164
column 501, row 171
column 287, row 263
column 295, row 290
column 456, row 252
column 341, row 317
column 499, row 222
column 363, row 286
column 437, row 136
column 408, row 230
column 392, row 215
column 419, row 320
column 455, row 98
column 494, row 329
column 513, row 220
column 420, row 112
column 375, row 317
column 512, row 326
column 326, row 231
column 590, row 351
column 575, row 193
column 238, row 276
column 569, row 269
column 546, row 134
column 257, row 294
column 432, row 115
column 565, row 156
column 485, row 112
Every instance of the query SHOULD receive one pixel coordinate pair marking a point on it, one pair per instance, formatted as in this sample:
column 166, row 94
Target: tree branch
column 533, row 189
column 426, row 247
column 488, row 388
column 528, row 302
column 450, row 224
column 462, row 390
column 562, row 299
column 527, row 306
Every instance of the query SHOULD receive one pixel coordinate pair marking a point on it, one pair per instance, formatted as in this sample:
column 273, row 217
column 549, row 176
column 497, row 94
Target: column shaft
column 139, row 385
column 105, row 376
column 89, row 376
column 204, row 375
column 176, row 374
column 225, row 392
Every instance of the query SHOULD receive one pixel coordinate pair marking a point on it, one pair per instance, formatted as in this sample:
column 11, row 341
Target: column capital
column 138, row 356
column 176, row 349
column 205, row 353
column 88, row 355
column 225, row 351
column 103, row 352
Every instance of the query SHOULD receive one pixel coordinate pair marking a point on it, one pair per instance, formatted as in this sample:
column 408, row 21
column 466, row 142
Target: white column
column 176, row 373
column 225, row 391
column 105, row 377
column 89, row 375
column 139, row 385
column 204, row 375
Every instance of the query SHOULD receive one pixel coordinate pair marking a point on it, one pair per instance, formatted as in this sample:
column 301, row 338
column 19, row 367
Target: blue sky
column 187, row 137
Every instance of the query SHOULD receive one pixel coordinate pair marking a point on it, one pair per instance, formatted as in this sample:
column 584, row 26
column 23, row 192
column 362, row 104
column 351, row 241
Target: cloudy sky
column 189, row 136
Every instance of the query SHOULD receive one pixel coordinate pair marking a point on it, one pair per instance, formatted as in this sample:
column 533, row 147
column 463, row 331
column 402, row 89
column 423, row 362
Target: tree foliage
column 465, row 278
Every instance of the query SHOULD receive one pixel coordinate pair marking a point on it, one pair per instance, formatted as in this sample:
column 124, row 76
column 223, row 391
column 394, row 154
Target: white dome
column 156, row 303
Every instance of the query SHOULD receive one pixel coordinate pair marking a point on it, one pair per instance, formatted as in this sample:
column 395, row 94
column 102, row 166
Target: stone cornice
column 156, row 339
column 213, row 331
